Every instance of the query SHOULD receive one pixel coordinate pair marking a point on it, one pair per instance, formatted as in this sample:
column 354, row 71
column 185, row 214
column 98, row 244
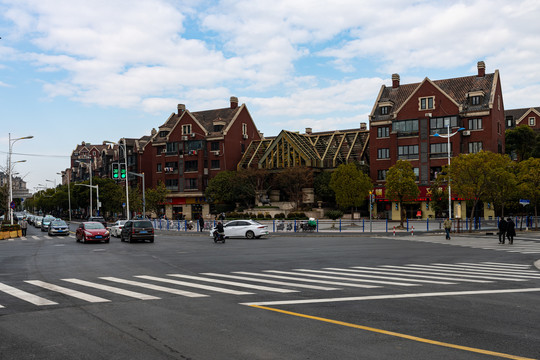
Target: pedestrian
column 503, row 225
column 510, row 231
column 447, row 227
column 201, row 223
column 24, row 225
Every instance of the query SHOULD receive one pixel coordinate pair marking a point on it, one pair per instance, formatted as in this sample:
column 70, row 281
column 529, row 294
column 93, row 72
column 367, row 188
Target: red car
column 92, row 231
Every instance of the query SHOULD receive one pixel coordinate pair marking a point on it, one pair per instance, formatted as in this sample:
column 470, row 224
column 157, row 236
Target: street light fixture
column 123, row 143
column 448, row 136
column 68, row 173
column 54, row 182
column 11, row 142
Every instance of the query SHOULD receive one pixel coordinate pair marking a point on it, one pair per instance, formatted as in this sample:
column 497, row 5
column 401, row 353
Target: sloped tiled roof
column 519, row 113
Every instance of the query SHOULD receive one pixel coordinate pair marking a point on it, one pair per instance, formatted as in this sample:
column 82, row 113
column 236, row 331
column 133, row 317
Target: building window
column 191, row 184
column 509, row 122
column 383, row 131
column 408, row 152
column 475, row 147
column 158, row 169
column 439, row 150
column 385, row 110
column 214, row 146
column 475, row 100
column 171, row 147
column 434, row 172
column 171, row 184
column 417, row 173
column 214, row 164
column 192, row 165
column 532, row 121
column 381, row 174
column 426, row 103
column 244, row 129
column 186, row 129
column 475, row 124
column 405, row 127
column 163, row 133
column 440, row 125
column 383, row 153
column 171, row 166
column 218, row 128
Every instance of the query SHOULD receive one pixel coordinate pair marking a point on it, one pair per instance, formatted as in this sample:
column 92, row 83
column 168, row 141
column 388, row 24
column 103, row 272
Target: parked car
column 243, row 228
column 116, row 228
column 46, row 221
column 37, row 221
column 137, row 230
column 98, row 219
column 92, row 231
column 58, row 227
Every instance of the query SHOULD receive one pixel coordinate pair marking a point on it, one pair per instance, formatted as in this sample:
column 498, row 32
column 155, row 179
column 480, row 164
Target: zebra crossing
column 521, row 245
column 41, row 237
column 245, row 283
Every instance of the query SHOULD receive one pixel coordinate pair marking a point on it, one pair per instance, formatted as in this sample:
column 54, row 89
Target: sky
column 95, row 70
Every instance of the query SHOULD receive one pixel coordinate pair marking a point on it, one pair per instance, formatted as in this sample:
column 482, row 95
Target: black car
column 98, row 219
column 137, row 230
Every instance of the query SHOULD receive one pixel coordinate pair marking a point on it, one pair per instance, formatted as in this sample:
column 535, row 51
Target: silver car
column 116, row 228
column 58, row 227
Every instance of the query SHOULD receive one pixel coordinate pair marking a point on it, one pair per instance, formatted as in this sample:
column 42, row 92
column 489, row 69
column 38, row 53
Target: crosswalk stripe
column 234, row 283
column 154, row 287
column 35, row 237
column 307, row 280
column 402, row 271
column 421, row 270
column 351, row 279
column 500, row 268
column 314, row 287
column 357, row 270
column 521, row 274
column 23, row 238
column 508, row 264
column 465, row 272
column 23, row 295
column 66, row 291
column 200, row 286
column 112, row 289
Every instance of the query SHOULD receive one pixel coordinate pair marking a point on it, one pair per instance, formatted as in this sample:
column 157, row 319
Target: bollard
column 412, row 230
column 394, row 231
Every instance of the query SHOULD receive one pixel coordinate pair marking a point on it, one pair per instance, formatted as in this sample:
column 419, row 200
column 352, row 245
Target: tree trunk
column 352, row 212
column 471, row 219
column 401, row 217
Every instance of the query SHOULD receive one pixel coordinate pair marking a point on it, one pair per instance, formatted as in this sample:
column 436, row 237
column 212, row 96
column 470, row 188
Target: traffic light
column 115, row 171
column 123, row 171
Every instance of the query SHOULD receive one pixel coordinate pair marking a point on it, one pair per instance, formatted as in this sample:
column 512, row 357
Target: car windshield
column 59, row 223
column 122, row 222
column 142, row 224
column 94, row 226
column 47, row 218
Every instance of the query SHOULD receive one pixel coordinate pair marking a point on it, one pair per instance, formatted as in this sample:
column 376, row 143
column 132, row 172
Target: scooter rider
column 220, row 232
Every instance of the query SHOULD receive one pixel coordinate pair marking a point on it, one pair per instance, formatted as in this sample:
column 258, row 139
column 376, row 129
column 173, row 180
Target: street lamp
column 448, row 136
column 89, row 167
column 68, row 173
column 127, row 173
column 54, row 182
column 11, row 142
column 97, row 193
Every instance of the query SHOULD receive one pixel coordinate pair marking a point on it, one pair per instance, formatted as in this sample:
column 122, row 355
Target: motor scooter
column 219, row 237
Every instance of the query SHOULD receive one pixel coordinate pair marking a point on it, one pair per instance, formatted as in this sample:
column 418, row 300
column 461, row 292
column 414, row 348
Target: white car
column 243, row 228
column 116, row 228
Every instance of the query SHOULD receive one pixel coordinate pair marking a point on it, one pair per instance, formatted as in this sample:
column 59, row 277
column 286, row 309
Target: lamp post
column 123, row 143
column 68, row 173
column 448, row 136
column 54, row 182
column 92, row 187
column 11, row 142
column 89, row 167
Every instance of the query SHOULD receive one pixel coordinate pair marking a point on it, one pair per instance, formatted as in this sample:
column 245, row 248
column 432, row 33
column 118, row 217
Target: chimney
column 309, row 131
column 363, row 126
column 181, row 108
column 481, row 69
column 234, row 102
column 395, row 81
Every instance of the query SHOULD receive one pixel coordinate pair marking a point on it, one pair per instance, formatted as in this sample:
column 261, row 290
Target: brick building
column 525, row 116
column 405, row 118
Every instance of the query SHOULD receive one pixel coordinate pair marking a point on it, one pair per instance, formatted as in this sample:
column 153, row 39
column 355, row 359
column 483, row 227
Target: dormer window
column 426, row 103
column 218, row 128
column 186, row 129
column 163, row 133
column 475, row 100
column 532, row 121
column 385, row 110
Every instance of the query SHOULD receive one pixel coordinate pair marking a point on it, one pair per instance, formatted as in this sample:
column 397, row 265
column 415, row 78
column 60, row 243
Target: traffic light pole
column 141, row 175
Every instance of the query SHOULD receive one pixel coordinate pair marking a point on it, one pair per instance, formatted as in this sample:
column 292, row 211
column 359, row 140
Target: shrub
column 333, row 214
column 279, row 216
column 267, row 216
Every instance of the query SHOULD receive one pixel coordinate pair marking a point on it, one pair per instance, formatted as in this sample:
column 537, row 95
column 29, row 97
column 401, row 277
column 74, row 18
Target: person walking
column 24, row 225
column 503, row 225
column 201, row 223
column 510, row 231
column 447, row 227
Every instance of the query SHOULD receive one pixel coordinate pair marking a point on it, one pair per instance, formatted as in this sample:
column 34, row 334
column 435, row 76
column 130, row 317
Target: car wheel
column 107, row 241
column 83, row 240
column 152, row 240
column 129, row 240
column 250, row 234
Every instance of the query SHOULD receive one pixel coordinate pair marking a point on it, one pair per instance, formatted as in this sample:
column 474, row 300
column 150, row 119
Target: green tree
column 529, row 183
column 502, row 181
column 350, row 185
column 321, row 185
column 155, row 198
column 220, row 188
column 292, row 180
column 522, row 140
column 251, row 184
column 401, row 185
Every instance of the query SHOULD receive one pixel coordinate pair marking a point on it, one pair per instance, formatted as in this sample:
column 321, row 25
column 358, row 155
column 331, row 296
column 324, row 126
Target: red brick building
column 405, row 118
column 525, row 116
column 192, row 147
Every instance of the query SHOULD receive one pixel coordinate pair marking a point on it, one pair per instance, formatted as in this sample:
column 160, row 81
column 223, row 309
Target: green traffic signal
column 122, row 172
column 115, row 173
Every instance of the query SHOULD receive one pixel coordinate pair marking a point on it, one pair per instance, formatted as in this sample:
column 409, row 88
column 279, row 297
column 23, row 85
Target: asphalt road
column 283, row 297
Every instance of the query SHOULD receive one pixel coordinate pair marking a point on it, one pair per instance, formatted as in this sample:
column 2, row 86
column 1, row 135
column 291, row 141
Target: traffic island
column 10, row 231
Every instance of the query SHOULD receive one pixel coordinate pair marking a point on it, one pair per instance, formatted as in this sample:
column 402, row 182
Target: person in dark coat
column 510, row 231
column 201, row 223
column 502, row 230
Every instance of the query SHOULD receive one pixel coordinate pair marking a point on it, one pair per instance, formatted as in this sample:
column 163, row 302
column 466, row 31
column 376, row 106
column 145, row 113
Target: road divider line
column 395, row 334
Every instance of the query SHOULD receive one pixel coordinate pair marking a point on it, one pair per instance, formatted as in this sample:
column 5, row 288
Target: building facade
column 524, row 116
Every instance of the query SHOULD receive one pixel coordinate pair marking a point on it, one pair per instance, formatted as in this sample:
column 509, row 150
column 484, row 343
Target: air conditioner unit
column 467, row 133
column 163, row 151
column 192, row 134
column 216, row 152
column 181, row 156
column 428, row 115
column 205, row 171
column 245, row 136
column 184, row 138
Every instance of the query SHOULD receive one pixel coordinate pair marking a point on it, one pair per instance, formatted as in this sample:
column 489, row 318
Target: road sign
column 524, row 202
column 12, row 205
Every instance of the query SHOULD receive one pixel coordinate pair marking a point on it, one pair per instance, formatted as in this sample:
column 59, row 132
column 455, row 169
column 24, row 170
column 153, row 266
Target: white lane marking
column 233, row 283
column 199, row 286
column 390, row 297
column 35, row 237
column 399, row 274
column 508, row 264
column 23, row 295
column 496, row 273
column 303, row 273
column 497, row 269
column 436, row 270
column 315, row 287
column 452, row 277
column 307, row 280
column 113, row 289
column 23, row 238
column 66, row 291
column 154, row 287
column 387, row 277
